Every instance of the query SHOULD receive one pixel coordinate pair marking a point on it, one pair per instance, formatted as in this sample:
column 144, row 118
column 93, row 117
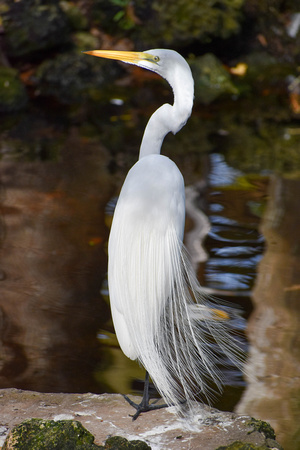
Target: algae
column 39, row 434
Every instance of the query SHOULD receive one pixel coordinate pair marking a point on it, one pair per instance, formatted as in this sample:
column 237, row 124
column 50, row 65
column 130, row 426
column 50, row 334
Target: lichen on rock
column 39, row 434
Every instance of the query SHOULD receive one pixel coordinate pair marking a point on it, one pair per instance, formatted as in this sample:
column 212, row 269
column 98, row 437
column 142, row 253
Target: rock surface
column 109, row 415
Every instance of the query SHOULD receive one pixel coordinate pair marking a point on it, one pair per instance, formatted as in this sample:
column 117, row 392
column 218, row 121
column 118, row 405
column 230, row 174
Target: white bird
column 160, row 314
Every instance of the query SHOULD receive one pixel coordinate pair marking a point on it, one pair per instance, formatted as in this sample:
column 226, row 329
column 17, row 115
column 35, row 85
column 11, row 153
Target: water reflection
column 195, row 235
column 56, row 332
column 221, row 174
column 273, row 391
column 52, row 259
column 234, row 242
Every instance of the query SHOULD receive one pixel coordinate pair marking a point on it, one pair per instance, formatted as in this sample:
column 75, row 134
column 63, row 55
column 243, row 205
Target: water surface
column 59, row 187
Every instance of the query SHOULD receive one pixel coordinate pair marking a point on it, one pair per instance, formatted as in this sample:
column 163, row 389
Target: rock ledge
column 108, row 415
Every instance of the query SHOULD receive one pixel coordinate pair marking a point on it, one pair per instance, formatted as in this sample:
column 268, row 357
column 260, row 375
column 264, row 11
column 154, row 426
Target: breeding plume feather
column 160, row 314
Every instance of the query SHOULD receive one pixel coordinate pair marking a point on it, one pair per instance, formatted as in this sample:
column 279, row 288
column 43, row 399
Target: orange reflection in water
column 50, row 304
column 273, row 392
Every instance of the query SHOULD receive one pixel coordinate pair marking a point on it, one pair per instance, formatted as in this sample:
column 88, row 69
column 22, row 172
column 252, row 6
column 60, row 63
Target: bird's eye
column 156, row 58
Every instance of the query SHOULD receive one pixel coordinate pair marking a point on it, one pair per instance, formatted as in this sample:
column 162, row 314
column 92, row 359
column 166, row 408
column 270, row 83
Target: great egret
column 160, row 314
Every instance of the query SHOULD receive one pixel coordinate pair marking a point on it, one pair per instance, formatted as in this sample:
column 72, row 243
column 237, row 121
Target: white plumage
column 160, row 314
column 141, row 250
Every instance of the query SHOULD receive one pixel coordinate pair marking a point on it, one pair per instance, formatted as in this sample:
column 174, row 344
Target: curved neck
column 169, row 118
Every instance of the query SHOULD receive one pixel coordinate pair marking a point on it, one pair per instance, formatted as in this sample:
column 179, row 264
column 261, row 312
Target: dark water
column 56, row 333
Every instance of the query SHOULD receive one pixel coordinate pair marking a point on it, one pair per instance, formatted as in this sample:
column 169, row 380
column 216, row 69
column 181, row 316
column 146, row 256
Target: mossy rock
column 72, row 77
column 262, row 427
column 33, row 25
column 168, row 23
column 13, row 96
column 211, row 78
column 257, row 426
column 39, row 434
column 120, row 443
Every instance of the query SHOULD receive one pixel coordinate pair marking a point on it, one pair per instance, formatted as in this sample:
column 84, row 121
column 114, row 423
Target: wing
column 149, row 217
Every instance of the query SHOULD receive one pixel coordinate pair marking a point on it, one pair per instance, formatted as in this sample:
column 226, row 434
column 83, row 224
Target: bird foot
column 143, row 406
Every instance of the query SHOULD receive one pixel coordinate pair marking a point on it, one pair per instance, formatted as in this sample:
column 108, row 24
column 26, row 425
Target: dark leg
column 144, row 406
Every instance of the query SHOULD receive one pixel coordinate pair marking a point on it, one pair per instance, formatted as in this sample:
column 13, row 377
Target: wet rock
column 13, row 96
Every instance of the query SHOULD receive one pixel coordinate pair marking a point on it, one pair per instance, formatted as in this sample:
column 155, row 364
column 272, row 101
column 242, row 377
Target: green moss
column 119, row 443
column 261, row 427
column 13, row 96
column 38, row 434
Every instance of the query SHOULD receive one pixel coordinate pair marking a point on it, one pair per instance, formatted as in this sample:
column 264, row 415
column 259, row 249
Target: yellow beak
column 129, row 57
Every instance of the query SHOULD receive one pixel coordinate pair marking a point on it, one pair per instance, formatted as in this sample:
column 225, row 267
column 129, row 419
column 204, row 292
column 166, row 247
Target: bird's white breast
column 153, row 193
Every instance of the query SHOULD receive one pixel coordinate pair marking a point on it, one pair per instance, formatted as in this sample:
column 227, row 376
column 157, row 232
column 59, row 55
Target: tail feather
column 172, row 328
column 183, row 360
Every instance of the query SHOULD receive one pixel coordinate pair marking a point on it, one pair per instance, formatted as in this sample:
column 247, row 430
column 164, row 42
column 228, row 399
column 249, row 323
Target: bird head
column 161, row 61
